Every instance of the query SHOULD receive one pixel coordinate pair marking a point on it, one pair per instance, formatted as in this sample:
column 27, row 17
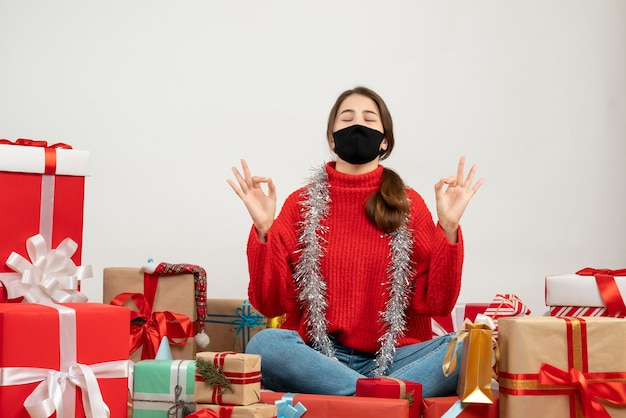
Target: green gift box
column 163, row 388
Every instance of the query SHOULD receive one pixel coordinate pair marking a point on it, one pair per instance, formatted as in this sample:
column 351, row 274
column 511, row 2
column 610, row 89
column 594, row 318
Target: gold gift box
column 258, row 410
column 243, row 372
column 589, row 345
column 175, row 293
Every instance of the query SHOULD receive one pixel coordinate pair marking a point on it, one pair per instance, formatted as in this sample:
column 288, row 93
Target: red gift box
column 388, row 387
column 438, row 406
column 42, row 190
column 72, row 350
column 453, row 322
column 323, row 406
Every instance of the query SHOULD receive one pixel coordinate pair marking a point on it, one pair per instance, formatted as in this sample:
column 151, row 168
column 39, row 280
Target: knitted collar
column 312, row 287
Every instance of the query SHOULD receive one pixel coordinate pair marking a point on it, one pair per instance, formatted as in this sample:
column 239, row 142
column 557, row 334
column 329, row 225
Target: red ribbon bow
column 154, row 325
column 609, row 291
column 34, row 143
column 590, row 387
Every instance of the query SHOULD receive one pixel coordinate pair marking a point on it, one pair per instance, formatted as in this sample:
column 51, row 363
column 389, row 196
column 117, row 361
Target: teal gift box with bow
column 163, row 388
column 230, row 323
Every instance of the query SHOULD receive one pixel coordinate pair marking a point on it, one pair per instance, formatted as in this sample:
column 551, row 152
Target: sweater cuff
column 459, row 235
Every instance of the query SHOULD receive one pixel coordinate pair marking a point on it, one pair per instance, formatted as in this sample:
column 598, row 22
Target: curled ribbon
column 148, row 328
column 609, row 291
column 589, row 386
column 49, row 276
column 286, row 409
column 450, row 359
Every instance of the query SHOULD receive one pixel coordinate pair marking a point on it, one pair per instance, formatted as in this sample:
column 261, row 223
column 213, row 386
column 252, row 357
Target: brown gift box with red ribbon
column 172, row 299
column 562, row 367
column 389, row 387
column 235, row 378
column 42, row 188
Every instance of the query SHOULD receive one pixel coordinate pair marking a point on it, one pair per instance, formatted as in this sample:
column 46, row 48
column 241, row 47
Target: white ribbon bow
column 48, row 395
column 49, row 276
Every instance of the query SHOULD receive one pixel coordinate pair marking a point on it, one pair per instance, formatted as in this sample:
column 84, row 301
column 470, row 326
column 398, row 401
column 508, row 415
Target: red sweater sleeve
column 438, row 263
column 271, row 289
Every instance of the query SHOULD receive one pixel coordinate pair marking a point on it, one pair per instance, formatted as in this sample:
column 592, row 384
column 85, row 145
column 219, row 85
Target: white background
column 168, row 95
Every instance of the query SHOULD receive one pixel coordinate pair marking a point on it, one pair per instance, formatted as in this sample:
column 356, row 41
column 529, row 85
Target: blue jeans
column 290, row 365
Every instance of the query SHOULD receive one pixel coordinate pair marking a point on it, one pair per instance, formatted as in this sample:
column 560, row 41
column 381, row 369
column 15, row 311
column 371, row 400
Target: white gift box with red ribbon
column 588, row 292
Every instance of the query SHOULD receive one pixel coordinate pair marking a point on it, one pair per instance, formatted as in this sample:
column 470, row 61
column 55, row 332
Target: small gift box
column 451, row 406
column 227, row 378
column 323, row 406
column 442, row 325
column 166, row 299
column 84, row 360
column 389, row 387
column 230, row 323
column 42, row 188
column 589, row 292
column 505, row 305
column 562, row 367
column 256, row 410
column 163, row 388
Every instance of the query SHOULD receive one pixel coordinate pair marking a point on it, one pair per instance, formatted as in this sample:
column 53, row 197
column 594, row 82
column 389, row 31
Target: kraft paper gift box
column 562, row 367
column 42, row 345
column 227, row 378
column 256, row 410
column 42, row 188
column 437, row 407
column 174, row 293
column 588, row 292
column 388, row 387
column 230, row 323
column 455, row 321
column 163, row 388
column 324, row 406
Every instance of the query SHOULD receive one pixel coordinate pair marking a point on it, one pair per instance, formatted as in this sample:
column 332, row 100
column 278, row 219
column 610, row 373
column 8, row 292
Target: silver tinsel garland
column 312, row 286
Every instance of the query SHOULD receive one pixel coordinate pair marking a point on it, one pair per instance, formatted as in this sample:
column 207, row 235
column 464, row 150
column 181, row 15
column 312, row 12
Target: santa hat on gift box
column 199, row 275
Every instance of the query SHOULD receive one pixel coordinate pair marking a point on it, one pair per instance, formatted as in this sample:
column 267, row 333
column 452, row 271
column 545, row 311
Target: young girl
column 355, row 262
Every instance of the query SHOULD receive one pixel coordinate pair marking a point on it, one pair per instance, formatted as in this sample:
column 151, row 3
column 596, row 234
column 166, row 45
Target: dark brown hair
column 388, row 207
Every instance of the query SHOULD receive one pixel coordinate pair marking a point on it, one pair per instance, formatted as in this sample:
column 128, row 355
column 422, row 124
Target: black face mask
column 358, row 144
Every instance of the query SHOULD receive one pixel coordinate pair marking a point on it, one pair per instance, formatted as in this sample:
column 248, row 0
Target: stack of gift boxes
column 54, row 360
column 58, row 354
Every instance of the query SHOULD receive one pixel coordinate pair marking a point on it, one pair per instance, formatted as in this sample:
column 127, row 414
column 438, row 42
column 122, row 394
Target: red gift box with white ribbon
column 42, row 188
column 63, row 358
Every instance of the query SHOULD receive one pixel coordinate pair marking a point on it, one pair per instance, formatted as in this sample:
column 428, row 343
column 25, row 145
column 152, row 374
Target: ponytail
column 389, row 206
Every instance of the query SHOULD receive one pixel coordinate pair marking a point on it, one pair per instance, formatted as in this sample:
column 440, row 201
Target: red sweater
column 354, row 266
